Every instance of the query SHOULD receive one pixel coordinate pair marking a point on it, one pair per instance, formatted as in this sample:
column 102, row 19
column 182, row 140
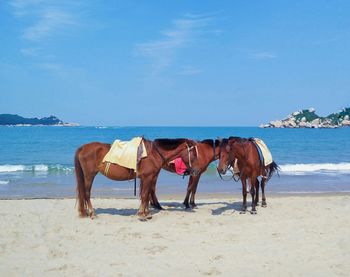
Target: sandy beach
column 306, row 235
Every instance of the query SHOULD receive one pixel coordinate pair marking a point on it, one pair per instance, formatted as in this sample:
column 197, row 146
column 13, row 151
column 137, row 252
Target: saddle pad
column 263, row 151
column 124, row 153
column 180, row 166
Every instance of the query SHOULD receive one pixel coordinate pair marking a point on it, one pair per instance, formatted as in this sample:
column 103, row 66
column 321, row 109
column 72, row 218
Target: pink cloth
column 180, row 166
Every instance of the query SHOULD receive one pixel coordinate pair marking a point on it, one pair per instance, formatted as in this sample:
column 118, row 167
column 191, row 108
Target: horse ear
column 228, row 148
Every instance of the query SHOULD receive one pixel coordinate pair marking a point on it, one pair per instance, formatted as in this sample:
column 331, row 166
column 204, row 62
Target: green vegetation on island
column 16, row 120
column 309, row 119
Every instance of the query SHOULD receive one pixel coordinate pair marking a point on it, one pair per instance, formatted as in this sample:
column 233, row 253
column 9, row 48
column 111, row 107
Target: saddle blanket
column 125, row 153
column 180, row 166
column 264, row 152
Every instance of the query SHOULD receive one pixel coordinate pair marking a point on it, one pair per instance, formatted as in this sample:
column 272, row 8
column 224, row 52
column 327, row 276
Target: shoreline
column 199, row 196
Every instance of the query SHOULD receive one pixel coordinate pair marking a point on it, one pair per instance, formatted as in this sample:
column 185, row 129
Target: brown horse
column 249, row 164
column 208, row 151
column 88, row 162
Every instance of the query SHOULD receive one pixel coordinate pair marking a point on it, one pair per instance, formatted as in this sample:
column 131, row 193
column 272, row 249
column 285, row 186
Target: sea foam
column 38, row 168
column 312, row 168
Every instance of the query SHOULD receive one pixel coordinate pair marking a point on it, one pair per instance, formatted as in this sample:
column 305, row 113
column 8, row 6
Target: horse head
column 227, row 154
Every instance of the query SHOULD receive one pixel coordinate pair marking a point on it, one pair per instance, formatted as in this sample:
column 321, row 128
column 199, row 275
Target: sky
column 173, row 63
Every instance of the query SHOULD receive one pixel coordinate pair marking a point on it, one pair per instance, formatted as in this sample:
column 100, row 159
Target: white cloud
column 43, row 18
column 51, row 20
column 184, row 31
column 189, row 70
column 262, row 56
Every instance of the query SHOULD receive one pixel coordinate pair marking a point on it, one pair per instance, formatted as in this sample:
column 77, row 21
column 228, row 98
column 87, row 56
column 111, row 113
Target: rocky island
column 16, row 120
column 309, row 119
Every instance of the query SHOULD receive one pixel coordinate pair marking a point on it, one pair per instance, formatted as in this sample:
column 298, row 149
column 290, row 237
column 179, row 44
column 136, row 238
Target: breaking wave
column 313, row 168
column 37, row 168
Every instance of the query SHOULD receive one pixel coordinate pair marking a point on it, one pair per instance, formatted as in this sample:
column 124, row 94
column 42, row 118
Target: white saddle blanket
column 124, row 153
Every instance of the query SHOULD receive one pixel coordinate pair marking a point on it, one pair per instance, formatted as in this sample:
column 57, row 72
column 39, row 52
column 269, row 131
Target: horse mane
column 238, row 139
column 169, row 144
column 207, row 141
column 210, row 142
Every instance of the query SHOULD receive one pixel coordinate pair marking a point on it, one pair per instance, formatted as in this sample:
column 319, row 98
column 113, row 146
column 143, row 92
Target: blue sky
column 182, row 63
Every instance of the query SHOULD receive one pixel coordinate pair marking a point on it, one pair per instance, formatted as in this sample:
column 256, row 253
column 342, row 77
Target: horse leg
column 154, row 201
column 190, row 181
column 88, row 186
column 257, row 192
column 193, row 190
column 252, row 193
column 148, row 184
column 263, row 183
column 144, row 196
column 244, row 193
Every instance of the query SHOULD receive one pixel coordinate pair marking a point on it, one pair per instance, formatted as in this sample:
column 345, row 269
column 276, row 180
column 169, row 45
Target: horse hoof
column 242, row 212
column 92, row 216
column 157, row 207
column 252, row 212
column 149, row 216
column 142, row 218
column 264, row 205
column 194, row 206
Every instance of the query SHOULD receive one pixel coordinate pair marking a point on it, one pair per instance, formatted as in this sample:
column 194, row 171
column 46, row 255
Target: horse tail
column 81, row 195
column 273, row 167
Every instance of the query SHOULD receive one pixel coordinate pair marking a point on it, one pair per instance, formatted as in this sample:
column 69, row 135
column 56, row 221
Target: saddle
column 126, row 153
column 264, row 153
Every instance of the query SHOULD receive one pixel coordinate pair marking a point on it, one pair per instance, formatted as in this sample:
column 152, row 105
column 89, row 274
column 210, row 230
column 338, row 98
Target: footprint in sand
column 157, row 236
column 218, row 257
column 211, row 272
column 155, row 249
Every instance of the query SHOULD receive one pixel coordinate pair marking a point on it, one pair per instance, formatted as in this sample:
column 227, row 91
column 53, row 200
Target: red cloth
column 180, row 166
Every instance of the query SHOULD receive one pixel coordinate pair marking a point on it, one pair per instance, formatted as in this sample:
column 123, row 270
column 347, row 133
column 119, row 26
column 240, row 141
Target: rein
column 189, row 148
column 165, row 161
column 217, row 165
column 231, row 163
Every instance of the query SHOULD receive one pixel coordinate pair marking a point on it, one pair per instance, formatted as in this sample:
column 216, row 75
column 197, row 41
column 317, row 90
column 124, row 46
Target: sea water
column 38, row 161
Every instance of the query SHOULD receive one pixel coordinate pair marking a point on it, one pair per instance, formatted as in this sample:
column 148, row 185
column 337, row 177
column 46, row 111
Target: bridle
column 189, row 150
column 231, row 163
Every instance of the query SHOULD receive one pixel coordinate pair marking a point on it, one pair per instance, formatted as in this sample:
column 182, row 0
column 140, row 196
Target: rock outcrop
column 309, row 119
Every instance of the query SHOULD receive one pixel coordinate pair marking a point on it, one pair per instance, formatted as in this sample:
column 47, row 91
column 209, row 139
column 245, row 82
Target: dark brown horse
column 88, row 162
column 208, row 151
column 249, row 164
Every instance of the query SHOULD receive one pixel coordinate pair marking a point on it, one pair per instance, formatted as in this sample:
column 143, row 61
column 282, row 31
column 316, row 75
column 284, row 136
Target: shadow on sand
column 113, row 211
column 176, row 206
column 235, row 206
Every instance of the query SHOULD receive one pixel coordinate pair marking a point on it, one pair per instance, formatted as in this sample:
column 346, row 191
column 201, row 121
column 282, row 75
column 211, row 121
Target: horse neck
column 239, row 150
column 206, row 152
column 171, row 154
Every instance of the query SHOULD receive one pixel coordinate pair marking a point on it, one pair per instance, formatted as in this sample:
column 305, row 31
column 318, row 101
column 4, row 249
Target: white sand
column 293, row 236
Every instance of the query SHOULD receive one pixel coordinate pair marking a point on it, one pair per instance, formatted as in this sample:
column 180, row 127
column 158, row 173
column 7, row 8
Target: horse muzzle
column 221, row 170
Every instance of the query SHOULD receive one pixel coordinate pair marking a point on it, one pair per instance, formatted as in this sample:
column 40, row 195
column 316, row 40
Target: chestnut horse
column 249, row 164
column 88, row 162
column 208, row 151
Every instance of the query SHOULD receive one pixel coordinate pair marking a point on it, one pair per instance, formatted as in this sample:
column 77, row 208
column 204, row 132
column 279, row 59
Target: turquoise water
column 38, row 161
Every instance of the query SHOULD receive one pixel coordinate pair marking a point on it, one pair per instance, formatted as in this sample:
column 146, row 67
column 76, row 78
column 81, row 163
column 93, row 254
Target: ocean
column 38, row 161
